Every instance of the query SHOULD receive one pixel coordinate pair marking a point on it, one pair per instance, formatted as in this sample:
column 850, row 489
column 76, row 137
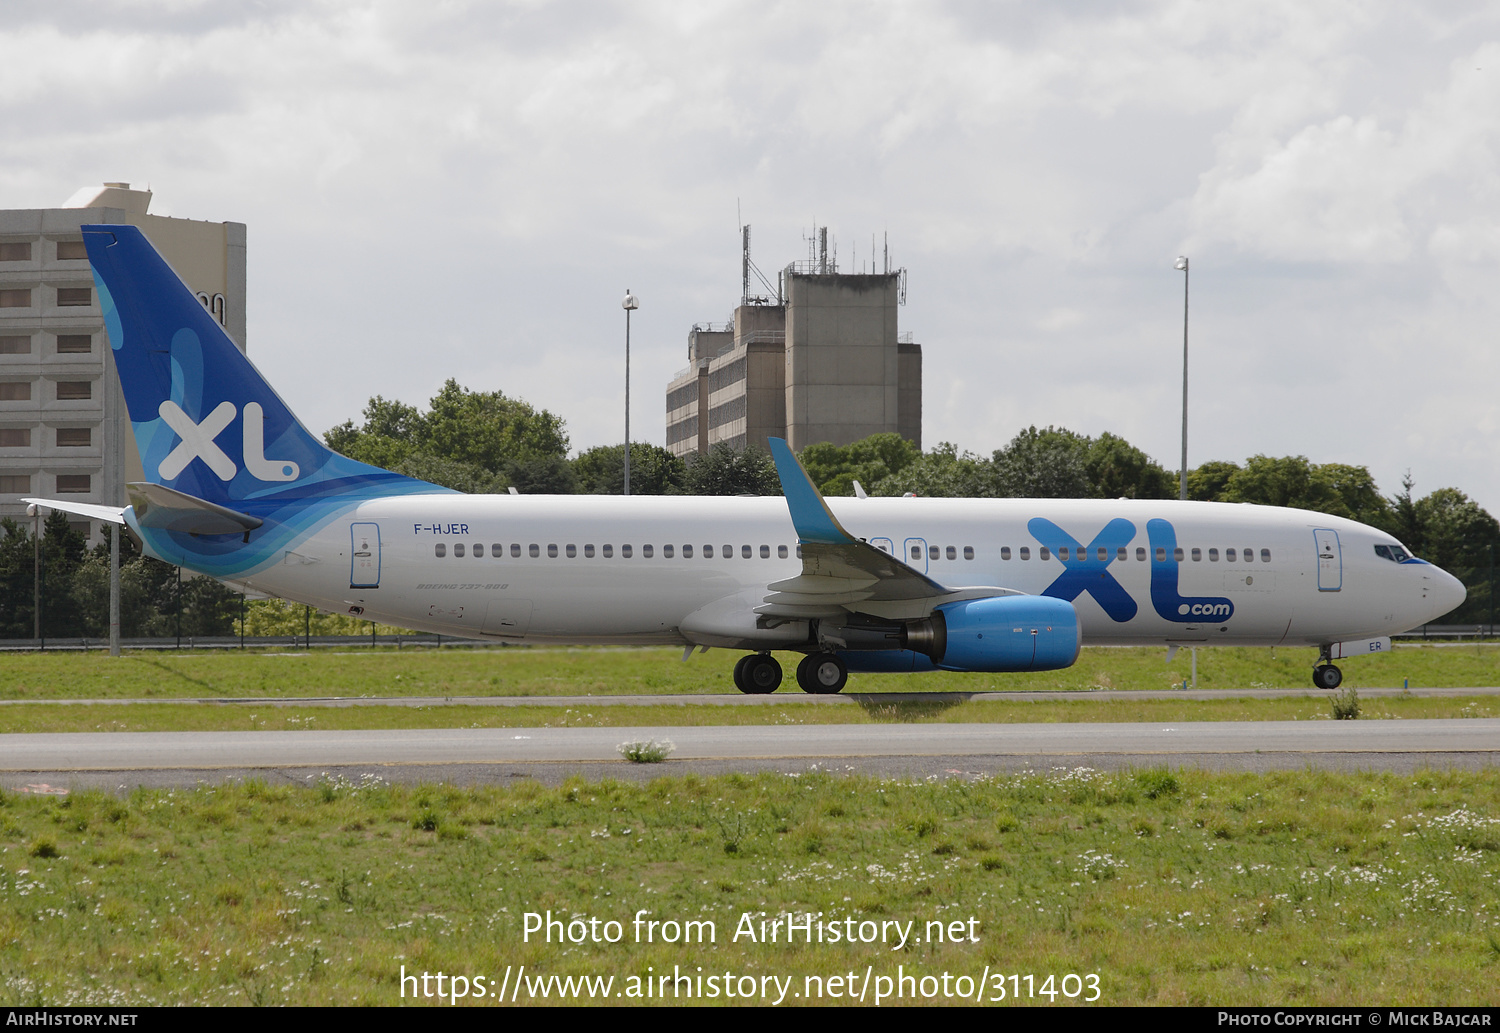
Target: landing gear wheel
column 757, row 674
column 1327, row 676
column 822, row 674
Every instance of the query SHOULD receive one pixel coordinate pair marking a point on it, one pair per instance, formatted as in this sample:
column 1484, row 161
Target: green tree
column 835, row 468
column 726, row 470
column 1116, row 469
column 653, row 470
column 1207, row 482
column 16, row 566
column 942, row 473
column 472, row 441
column 1044, row 464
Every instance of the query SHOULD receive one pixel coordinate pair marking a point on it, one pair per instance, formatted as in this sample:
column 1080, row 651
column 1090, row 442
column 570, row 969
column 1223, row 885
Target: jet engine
column 998, row 634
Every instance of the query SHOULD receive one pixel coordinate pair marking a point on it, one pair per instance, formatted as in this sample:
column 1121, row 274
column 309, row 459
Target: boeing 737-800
column 238, row 489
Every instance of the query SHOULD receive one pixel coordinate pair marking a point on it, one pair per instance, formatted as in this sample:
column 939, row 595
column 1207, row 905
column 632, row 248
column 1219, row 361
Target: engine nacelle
column 1005, row 633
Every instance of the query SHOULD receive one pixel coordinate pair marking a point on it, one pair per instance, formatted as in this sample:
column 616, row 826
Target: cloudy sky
column 457, row 189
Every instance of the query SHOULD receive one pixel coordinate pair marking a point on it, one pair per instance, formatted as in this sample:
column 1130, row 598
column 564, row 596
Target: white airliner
column 238, row 489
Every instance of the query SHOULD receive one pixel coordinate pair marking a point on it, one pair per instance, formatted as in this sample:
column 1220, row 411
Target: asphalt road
column 123, row 759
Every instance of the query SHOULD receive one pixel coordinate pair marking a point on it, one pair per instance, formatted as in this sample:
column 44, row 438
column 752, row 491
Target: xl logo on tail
column 198, row 443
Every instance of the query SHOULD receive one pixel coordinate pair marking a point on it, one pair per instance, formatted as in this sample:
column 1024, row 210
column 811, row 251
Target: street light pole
column 1182, row 263
column 630, row 304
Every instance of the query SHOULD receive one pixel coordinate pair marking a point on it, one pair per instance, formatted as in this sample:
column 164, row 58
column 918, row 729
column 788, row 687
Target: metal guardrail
column 91, row 645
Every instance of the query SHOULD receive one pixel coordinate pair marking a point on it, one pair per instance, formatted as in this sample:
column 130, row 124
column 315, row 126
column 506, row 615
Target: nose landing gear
column 1325, row 674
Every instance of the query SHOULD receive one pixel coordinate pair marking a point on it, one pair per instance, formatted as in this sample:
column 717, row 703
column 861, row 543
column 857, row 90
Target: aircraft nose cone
column 1447, row 593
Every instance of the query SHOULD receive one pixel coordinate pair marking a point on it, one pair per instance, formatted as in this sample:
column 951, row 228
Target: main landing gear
column 818, row 673
column 1325, row 675
column 822, row 674
column 757, row 674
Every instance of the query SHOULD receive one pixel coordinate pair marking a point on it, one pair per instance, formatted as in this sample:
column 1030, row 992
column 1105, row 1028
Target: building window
column 15, row 298
column 74, row 390
column 15, row 344
column 75, row 344
column 74, row 437
column 15, row 437
column 74, row 297
column 15, row 484
column 15, row 391
column 71, row 251
column 20, row 252
column 74, row 483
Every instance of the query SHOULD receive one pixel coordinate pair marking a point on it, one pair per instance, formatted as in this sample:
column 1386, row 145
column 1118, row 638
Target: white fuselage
column 542, row 568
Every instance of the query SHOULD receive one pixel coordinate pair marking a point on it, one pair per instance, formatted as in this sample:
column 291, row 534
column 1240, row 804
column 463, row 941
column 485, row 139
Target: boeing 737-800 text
column 238, row 489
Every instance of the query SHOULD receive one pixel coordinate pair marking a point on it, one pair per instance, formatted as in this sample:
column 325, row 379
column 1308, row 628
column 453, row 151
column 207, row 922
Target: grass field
column 1298, row 888
column 526, row 671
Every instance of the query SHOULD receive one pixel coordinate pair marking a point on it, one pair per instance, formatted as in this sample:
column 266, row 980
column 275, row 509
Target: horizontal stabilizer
column 94, row 511
column 163, row 508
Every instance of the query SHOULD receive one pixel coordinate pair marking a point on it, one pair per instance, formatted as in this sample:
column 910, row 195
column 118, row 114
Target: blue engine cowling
column 1007, row 633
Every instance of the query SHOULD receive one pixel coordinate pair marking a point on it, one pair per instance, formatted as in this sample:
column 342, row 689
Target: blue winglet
column 810, row 514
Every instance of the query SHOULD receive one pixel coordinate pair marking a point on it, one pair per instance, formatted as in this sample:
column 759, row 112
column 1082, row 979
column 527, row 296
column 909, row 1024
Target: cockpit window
column 1394, row 553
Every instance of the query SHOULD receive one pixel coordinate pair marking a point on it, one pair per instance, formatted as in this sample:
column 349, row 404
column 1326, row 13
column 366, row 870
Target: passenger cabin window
column 667, row 552
column 551, row 551
column 728, row 552
column 1062, row 553
column 1213, row 555
column 1004, row 552
column 609, row 552
column 1140, row 554
column 968, row 552
column 916, row 552
column 515, row 550
column 781, row 552
column 1265, row 555
column 625, row 552
column 440, row 550
column 478, row 550
column 765, row 552
column 687, row 552
column 588, row 552
column 572, row 552
column 708, row 552
column 1042, row 553
column 952, row 553
column 1249, row 555
column 1229, row 555
column 458, row 548
column 1177, row 554
column 933, row 552
column 646, row 552
column 745, row 552
column 1197, row 555
column 1161, row 554
column 533, row 550
column 1025, row 552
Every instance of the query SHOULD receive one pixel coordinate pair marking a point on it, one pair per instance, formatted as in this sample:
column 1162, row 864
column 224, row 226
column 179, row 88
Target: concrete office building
column 822, row 360
column 64, row 430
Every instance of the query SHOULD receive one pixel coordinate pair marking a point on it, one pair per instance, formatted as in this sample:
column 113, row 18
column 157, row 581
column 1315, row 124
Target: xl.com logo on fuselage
column 1086, row 570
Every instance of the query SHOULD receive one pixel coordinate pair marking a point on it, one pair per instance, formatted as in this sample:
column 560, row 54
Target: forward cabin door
column 364, row 555
column 1330, row 560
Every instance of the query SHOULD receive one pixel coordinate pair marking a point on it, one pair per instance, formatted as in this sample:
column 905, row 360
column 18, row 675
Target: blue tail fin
column 206, row 422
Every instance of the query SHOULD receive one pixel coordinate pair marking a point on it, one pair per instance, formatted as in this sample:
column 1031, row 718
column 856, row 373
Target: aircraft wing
column 842, row 573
